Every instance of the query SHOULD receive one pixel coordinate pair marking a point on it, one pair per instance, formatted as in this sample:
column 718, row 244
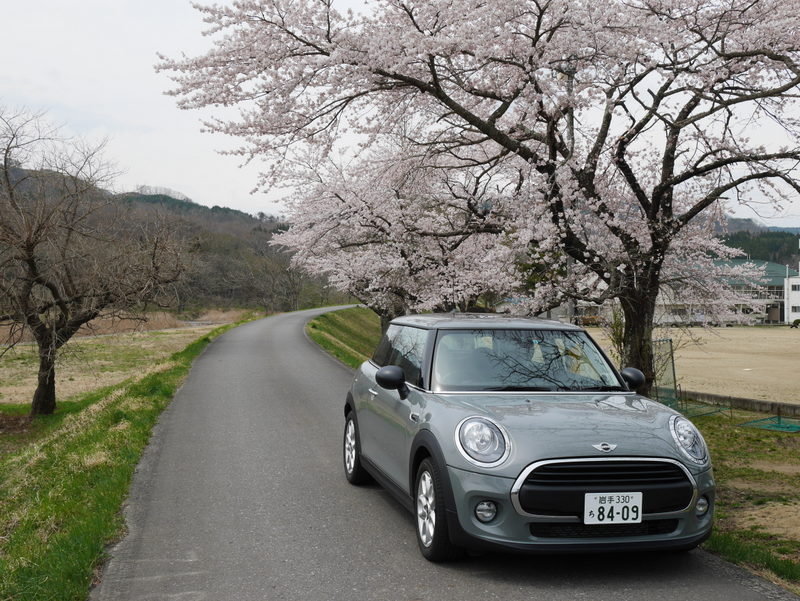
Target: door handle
column 373, row 392
column 414, row 417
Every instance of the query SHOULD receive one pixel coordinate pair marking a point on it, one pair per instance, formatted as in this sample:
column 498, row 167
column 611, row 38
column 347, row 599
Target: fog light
column 486, row 511
column 702, row 506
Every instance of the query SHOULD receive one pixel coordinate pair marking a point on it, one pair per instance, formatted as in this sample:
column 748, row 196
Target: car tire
column 431, row 515
column 351, row 453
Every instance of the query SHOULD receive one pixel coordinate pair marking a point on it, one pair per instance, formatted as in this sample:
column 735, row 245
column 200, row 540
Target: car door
column 388, row 422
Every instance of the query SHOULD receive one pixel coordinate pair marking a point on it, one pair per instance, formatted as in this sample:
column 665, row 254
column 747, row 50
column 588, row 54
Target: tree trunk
column 638, row 309
column 44, row 399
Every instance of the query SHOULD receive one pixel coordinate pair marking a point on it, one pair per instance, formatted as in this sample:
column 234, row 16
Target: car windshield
column 519, row 360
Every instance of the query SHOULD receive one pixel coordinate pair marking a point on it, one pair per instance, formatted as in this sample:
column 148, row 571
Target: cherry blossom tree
column 402, row 234
column 635, row 117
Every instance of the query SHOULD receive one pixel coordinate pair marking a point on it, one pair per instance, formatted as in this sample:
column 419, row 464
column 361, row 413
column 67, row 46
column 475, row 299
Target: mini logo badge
column 605, row 447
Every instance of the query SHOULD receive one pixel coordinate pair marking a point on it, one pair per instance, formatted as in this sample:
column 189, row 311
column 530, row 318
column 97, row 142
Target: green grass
column 63, row 481
column 757, row 553
column 755, row 470
column 350, row 335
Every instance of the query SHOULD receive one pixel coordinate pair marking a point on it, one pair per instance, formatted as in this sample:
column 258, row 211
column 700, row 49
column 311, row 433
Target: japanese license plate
column 612, row 508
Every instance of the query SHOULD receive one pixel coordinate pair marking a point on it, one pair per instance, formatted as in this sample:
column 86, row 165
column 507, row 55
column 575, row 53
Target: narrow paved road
column 240, row 497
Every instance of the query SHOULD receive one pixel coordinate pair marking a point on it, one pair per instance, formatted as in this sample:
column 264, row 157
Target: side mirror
column 392, row 377
column 633, row 377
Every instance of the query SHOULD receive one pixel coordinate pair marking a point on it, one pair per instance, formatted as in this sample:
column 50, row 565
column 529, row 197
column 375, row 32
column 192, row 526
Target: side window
column 384, row 348
column 403, row 346
column 408, row 350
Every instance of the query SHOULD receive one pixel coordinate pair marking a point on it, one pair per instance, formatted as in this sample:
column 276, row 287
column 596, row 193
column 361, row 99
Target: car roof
column 471, row 321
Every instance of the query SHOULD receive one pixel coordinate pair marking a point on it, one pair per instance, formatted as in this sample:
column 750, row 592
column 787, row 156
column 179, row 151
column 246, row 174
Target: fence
column 665, row 385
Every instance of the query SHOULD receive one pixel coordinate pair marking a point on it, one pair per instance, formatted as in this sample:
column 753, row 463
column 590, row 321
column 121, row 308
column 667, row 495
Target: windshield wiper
column 600, row 389
column 520, row 389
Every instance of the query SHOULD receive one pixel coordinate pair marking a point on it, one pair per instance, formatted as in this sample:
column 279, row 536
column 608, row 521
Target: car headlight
column 688, row 439
column 482, row 441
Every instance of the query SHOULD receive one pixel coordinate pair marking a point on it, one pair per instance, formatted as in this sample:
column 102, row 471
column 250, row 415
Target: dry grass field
column 749, row 362
column 106, row 354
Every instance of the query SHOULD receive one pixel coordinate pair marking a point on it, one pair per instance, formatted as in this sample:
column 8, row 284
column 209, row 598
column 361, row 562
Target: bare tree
column 68, row 251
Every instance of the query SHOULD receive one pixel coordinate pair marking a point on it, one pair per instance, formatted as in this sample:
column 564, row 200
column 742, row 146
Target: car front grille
column 558, row 488
column 550, row 530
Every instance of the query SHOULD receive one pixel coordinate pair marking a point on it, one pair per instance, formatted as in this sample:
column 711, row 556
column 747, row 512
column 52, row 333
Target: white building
column 791, row 291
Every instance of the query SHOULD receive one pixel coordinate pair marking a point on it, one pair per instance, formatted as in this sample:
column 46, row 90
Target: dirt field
column 749, row 362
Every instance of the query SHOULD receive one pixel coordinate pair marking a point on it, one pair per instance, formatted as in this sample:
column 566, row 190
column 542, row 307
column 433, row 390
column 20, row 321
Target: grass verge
column 350, row 335
column 757, row 471
column 64, row 479
column 758, row 496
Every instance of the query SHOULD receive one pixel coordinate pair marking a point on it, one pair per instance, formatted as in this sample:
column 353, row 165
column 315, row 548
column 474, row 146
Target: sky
column 89, row 65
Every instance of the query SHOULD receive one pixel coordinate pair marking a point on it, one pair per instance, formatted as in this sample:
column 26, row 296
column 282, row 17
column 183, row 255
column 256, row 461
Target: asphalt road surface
column 241, row 497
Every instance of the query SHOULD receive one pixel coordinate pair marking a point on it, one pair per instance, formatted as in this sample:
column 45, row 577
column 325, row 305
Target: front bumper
column 514, row 530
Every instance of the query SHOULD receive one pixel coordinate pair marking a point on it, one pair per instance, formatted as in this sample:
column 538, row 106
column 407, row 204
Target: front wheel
column 351, row 453
column 432, row 536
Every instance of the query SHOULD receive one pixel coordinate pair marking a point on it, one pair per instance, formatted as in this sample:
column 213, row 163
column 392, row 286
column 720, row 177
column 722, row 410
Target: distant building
column 792, row 298
column 772, row 288
column 768, row 292
column 778, row 292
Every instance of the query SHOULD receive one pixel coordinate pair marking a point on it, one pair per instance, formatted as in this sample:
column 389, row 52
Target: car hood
column 570, row 425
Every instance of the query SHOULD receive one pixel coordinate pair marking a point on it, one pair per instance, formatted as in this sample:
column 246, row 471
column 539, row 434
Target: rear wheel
column 431, row 519
column 351, row 453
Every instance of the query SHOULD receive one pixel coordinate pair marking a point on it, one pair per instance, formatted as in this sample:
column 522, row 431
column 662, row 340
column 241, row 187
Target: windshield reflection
column 519, row 360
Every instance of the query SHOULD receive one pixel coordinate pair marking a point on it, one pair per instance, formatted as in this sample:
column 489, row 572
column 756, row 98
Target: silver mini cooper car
column 519, row 434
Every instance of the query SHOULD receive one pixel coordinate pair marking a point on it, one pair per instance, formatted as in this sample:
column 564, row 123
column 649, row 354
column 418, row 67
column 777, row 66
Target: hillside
column 740, row 224
column 217, row 219
column 767, row 245
column 232, row 263
column 791, row 230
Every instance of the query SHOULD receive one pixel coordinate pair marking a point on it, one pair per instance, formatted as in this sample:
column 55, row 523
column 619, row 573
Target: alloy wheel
column 350, row 447
column 426, row 509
